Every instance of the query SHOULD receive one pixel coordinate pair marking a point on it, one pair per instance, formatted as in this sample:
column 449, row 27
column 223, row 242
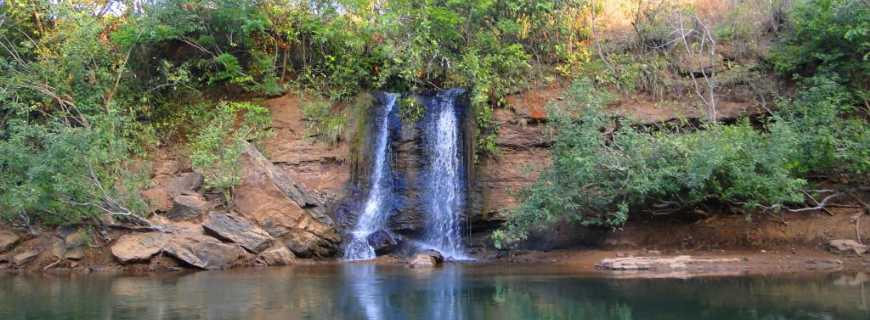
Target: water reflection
column 360, row 291
column 364, row 284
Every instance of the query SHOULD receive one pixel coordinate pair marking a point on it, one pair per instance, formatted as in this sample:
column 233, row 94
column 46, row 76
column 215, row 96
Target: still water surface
column 357, row 291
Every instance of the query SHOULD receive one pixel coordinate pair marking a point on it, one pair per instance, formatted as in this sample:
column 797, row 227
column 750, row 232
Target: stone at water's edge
column 238, row 230
column 202, row 251
column 269, row 197
column 138, row 246
column 427, row 258
column 382, row 242
column 8, row 239
column 277, row 255
column 660, row 263
column 306, row 245
column 24, row 257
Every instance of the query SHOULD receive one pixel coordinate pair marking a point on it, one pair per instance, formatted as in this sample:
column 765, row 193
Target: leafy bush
column 56, row 174
column 66, row 134
column 827, row 37
column 604, row 170
column 322, row 121
column 411, row 110
column 216, row 147
column 831, row 138
column 220, row 40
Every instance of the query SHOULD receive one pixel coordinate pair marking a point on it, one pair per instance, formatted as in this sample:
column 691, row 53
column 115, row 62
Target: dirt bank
column 724, row 245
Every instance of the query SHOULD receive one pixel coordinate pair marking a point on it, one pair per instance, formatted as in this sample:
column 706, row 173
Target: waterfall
column 377, row 208
column 444, row 187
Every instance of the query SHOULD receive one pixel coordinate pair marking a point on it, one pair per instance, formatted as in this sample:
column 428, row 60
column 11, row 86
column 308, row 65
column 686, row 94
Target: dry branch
column 820, row 205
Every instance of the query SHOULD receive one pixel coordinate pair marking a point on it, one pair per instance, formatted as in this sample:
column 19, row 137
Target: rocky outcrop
column 237, row 230
column 8, row 239
column 24, row 257
column 202, row 251
column 277, row 255
column 408, row 164
column 523, row 155
column 169, row 182
column 188, row 242
column 268, row 196
column 319, row 167
column 188, row 206
column 70, row 244
column 308, row 245
column 138, row 246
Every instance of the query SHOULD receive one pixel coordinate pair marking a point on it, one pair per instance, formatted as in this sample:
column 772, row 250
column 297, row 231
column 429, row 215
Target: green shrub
column 827, row 37
column 67, row 131
column 322, row 121
column 217, row 145
column 411, row 110
column 605, row 170
column 832, row 138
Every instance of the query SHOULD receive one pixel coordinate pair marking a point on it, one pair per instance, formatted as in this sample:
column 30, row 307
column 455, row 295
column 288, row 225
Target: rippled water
column 358, row 291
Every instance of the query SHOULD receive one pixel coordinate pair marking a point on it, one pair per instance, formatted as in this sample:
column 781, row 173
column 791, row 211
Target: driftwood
column 819, row 205
column 53, row 264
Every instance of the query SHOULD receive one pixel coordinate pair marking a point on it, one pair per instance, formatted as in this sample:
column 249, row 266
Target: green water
column 451, row 292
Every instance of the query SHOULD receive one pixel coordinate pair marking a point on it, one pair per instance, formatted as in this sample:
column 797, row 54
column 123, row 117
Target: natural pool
column 360, row 291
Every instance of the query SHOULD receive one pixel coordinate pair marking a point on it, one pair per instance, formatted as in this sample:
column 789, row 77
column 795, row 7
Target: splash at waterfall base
column 410, row 190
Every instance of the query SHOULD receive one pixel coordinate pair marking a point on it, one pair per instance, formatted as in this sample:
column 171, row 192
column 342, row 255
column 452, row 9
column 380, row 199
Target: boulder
column 277, row 255
column 662, row 263
column 158, row 198
column 24, row 257
column 187, row 206
column 428, row 258
column 238, row 230
column 202, row 251
column 139, row 246
column 76, row 239
column 187, row 182
column 382, row 241
column 847, row 246
column 74, row 254
column 166, row 187
column 307, row 245
column 8, row 239
column 57, row 249
column 268, row 196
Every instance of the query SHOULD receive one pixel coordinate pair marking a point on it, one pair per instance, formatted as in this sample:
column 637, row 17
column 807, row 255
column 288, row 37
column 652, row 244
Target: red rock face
column 317, row 166
column 285, row 209
column 523, row 154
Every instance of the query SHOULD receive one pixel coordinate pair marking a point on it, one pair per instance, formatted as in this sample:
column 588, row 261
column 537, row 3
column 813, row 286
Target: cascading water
column 376, row 209
column 444, row 186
